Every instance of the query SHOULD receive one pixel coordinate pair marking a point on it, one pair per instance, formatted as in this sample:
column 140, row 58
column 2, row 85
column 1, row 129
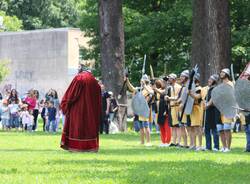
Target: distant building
column 41, row 59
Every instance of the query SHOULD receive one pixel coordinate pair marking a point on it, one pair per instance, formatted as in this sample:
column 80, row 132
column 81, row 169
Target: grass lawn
column 32, row 158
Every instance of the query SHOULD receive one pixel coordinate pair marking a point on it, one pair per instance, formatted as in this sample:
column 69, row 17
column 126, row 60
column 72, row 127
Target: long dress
column 81, row 105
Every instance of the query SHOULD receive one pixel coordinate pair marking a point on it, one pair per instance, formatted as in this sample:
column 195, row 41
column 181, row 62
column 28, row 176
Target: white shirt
column 27, row 119
column 13, row 108
column 5, row 112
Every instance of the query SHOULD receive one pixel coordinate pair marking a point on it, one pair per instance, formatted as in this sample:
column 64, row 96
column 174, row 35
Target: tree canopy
column 37, row 14
column 159, row 28
column 162, row 30
column 10, row 23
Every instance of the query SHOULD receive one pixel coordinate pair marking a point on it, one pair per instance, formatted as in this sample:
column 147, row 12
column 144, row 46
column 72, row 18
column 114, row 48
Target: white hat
column 185, row 73
column 226, row 70
column 172, row 76
column 88, row 63
column 214, row 77
column 145, row 78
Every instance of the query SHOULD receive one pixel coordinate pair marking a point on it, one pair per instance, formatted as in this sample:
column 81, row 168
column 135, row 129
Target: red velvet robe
column 81, row 105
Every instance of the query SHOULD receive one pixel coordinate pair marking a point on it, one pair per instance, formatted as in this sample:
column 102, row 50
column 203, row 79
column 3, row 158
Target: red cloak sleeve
column 71, row 95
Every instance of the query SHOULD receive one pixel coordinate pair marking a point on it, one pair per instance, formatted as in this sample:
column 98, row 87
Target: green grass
column 32, row 158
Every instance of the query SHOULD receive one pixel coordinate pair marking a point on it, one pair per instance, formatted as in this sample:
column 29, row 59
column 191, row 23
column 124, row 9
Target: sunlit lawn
column 31, row 158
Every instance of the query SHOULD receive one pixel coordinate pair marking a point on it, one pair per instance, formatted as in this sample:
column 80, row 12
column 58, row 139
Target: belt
column 174, row 105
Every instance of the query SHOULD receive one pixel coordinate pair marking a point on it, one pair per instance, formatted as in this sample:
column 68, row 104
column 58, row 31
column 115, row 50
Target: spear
column 143, row 67
column 126, row 73
column 144, row 64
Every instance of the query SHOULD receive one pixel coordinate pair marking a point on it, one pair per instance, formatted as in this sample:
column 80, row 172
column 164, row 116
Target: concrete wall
column 41, row 59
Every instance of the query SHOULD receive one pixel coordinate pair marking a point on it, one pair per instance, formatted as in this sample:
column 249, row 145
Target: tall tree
column 163, row 33
column 211, row 41
column 112, row 51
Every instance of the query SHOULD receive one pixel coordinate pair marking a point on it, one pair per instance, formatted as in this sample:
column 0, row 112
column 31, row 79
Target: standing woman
column 13, row 97
column 13, row 102
column 30, row 100
column 36, row 110
column 57, row 106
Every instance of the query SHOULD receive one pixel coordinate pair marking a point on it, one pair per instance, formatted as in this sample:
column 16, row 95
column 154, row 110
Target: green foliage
column 4, row 69
column 240, row 21
column 11, row 23
column 162, row 30
column 37, row 14
column 159, row 28
column 89, row 23
column 36, row 158
column 164, row 36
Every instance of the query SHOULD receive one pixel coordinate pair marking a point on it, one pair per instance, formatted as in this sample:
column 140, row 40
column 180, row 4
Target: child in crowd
column 30, row 124
column 27, row 118
column 44, row 113
column 14, row 115
column 51, row 124
column 5, row 115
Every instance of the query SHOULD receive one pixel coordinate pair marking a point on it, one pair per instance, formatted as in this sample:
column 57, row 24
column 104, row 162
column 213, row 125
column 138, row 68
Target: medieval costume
column 162, row 113
column 211, row 117
column 145, row 101
column 224, row 99
column 194, row 120
column 173, row 108
column 81, row 105
column 182, row 117
column 242, row 93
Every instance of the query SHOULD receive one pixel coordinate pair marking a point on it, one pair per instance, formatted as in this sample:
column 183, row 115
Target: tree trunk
column 211, row 41
column 112, row 52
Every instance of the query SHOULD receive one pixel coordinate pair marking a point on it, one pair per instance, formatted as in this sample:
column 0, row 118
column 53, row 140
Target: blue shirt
column 52, row 113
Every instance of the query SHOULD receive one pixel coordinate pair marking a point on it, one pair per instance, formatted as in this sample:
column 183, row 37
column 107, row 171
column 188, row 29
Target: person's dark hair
column 13, row 97
column 55, row 94
column 196, row 81
column 166, row 78
column 36, row 92
column 214, row 83
column 80, row 68
column 227, row 76
column 158, row 84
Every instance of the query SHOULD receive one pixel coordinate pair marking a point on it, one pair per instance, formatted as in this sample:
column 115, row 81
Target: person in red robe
column 81, row 105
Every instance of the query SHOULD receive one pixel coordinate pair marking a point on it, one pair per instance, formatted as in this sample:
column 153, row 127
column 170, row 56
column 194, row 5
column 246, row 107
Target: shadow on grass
column 29, row 150
column 203, row 171
column 37, row 133
column 132, row 151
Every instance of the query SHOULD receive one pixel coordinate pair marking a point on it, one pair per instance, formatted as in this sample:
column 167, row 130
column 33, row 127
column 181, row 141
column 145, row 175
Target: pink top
column 31, row 102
